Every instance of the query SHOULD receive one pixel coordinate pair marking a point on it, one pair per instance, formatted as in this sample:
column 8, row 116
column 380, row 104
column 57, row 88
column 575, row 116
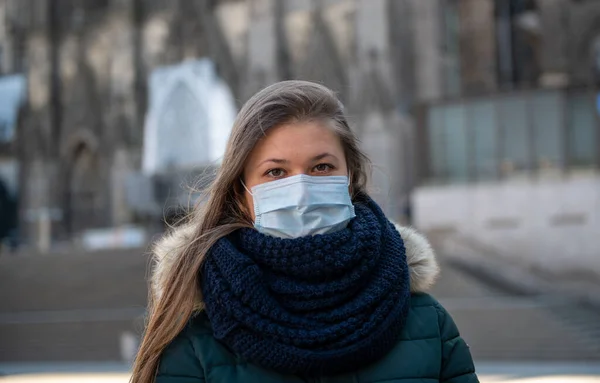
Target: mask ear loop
column 245, row 187
column 350, row 184
column 249, row 192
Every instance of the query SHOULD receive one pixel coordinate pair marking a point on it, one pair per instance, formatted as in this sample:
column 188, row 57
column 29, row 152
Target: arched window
column 182, row 131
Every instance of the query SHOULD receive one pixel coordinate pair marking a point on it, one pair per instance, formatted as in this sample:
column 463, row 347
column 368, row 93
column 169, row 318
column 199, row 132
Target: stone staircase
column 88, row 307
column 71, row 307
column 502, row 327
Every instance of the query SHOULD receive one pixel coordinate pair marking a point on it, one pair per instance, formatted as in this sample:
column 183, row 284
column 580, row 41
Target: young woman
column 289, row 272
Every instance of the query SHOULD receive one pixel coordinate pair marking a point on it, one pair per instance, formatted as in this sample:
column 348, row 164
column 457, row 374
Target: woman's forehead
column 297, row 141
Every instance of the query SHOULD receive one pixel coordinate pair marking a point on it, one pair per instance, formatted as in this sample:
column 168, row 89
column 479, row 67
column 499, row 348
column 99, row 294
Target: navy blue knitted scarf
column 310, row 306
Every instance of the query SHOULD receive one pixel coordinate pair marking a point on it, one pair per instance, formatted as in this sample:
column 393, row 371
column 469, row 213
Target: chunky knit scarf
column 310, row 306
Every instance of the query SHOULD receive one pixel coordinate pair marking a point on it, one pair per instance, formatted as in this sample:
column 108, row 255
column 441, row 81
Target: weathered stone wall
column 78, row 164
column 584, row 32
column 382, row 56
column 349, row 46
column 477, row 45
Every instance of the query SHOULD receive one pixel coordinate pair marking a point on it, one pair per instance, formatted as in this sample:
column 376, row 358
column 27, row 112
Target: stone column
column 426, row 29
column 120, row 170
column 383, row 129
column 554, row 28
column 477, row 45
column 262, row 47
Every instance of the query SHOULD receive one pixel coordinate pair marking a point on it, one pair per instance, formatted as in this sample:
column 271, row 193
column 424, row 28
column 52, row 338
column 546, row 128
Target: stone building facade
column 87, row 63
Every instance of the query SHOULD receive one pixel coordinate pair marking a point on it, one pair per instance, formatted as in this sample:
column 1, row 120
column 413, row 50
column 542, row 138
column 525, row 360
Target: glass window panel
column 547, row 120
column 483, row 125
column 437, row 152
column 514, row 142
column 456, row 142
column 581, row 128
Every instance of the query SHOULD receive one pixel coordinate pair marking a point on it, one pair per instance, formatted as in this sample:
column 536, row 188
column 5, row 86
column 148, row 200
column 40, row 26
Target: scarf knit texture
column 311, row 306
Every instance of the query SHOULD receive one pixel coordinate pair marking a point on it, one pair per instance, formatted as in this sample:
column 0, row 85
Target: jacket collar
column 420, row 256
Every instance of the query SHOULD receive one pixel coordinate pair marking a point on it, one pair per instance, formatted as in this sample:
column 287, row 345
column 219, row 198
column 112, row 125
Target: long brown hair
column 223, row 212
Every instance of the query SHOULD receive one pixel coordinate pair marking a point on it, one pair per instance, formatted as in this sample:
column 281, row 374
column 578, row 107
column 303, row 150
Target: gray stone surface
column 67, row 308
column 505, row 323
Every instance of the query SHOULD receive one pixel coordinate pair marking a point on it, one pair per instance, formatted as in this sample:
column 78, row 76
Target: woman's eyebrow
column 284, row 161
column 275, row 160
column 323, row 155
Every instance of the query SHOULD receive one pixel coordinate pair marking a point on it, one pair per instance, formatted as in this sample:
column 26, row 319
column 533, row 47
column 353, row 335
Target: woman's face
column 287, row 150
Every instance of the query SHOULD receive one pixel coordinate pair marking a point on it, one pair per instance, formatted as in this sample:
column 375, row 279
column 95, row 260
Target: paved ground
column 488, row 373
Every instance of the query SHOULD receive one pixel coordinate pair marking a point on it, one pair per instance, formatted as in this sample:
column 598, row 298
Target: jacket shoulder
column 198, row 325
column 445, row 322
column 423, row 300
column 180, row 361
column 183, row 357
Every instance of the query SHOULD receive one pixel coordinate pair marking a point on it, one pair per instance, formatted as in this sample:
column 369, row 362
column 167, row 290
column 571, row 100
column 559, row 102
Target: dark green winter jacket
column 430, row 348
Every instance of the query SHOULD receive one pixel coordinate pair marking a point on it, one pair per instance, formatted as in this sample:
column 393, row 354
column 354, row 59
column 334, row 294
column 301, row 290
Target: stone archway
column 82, row 189
column 385, row 134
column 323, row 62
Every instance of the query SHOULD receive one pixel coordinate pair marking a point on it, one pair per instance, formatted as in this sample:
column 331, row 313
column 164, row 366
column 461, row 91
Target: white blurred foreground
column 67, row 378
column 488, row 373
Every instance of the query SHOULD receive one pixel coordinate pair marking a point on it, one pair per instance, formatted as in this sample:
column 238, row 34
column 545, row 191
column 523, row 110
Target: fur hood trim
column 422, row 264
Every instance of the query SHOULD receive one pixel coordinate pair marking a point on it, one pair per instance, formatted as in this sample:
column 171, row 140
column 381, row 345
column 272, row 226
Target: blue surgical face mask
column 302, row 205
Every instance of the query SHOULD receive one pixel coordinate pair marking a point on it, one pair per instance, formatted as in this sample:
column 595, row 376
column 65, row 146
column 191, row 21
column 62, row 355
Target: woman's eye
column 323, row 168
column 275, row 173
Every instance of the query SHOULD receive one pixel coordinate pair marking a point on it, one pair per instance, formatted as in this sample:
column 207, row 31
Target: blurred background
column 481, row 116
